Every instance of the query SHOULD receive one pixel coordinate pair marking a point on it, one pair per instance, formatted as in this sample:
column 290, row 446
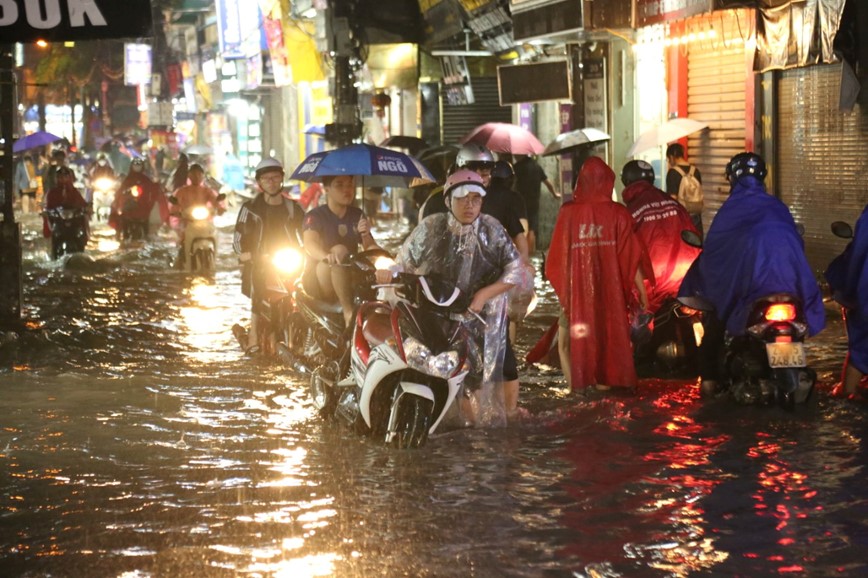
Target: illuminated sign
column 61, row 20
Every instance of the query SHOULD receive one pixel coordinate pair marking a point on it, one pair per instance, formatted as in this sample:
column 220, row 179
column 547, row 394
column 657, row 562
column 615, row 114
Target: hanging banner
column 273, row 27
column 69, row 20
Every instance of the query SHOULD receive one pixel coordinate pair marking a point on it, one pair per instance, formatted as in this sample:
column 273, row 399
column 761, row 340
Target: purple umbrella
column 39, row 138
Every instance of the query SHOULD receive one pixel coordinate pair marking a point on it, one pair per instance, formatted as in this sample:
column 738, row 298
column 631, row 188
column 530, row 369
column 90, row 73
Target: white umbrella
column 575, row 138
column 669, row 131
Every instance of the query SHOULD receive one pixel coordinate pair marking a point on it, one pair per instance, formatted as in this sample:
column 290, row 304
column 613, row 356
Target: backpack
column 690, row 190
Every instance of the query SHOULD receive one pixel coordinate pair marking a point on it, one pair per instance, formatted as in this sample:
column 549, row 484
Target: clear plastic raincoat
column 472, row 256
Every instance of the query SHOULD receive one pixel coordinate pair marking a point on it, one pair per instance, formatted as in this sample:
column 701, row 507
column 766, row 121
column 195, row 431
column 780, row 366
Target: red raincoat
column 61, row 196
column 592, row 264
column 659, row 222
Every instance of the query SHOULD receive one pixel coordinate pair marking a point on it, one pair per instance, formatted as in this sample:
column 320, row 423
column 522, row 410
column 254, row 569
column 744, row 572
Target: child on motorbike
column 473, row 251
column 848, row 278
column 265, row 223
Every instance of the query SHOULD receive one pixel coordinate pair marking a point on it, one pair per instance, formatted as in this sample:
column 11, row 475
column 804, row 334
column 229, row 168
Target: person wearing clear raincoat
column 475, row 252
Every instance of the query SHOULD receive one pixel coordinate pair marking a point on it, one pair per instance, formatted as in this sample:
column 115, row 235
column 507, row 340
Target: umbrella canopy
column 39, row 138
column 567, row 141
column 198, row 149
column 373, row 167
column 438, row 160
column 503, row 137
column 669, row 131
column 402, row 141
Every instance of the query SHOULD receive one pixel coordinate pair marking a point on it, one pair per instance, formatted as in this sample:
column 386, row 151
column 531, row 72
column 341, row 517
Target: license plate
column 786, row 355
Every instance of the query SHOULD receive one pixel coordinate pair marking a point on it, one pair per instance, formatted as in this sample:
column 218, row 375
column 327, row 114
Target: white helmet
column 472, row 156
column 268, row 165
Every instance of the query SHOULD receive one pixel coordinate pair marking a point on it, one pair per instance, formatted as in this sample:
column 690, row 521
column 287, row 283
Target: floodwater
column 137, row 440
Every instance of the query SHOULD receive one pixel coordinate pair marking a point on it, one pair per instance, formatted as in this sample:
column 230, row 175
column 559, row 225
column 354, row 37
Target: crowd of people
column 609, row 263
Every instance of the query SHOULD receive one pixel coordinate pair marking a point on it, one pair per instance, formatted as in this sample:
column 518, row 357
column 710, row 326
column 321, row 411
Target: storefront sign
column 539, row 21
column 443, row 19
column 456, row 80
column 596, row 104
column 60, row 20
column 657, row 11
column 137, row 64
column 534, row 82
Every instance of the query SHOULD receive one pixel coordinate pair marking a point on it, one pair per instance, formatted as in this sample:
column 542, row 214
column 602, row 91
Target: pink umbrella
column 503, row 137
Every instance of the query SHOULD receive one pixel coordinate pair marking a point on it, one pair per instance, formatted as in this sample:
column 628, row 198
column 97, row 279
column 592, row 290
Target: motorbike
column 282, row 271
column 199, row 250
column 68, row 230
column 132, row 228
column 314, row 335
column 408, row 364
column 102, row 194
column 767, row 364
column 667, row 337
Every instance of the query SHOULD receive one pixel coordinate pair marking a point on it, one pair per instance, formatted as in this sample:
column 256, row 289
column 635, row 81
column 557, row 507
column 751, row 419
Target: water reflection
column 138, row 441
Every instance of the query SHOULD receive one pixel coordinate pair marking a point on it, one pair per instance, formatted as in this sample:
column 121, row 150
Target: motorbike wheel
column 414, row 420
column 323, row 391
column 55, row 249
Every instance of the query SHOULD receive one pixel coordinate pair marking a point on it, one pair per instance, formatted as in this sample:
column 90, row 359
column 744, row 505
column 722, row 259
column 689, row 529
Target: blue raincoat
column 753, row 250
column 848, row 277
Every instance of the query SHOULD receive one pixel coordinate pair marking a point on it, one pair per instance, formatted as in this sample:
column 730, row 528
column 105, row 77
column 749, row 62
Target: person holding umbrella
column 331, row 232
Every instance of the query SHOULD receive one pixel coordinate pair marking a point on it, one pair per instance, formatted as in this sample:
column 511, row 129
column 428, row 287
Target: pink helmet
column 463, row 177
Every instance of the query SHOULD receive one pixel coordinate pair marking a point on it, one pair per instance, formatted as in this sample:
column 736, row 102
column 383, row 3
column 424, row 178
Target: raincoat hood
column 753, row 250
column 595, row 183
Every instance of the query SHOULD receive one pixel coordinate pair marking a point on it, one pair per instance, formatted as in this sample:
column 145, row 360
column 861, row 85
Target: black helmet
column 745, row 164
column 502, row 170
column 637, row 171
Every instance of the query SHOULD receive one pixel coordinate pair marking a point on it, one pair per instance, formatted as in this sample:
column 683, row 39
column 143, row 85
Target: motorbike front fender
column 382, row 361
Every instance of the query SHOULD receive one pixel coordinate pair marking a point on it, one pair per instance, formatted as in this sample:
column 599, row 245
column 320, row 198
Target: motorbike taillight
column 781, row 312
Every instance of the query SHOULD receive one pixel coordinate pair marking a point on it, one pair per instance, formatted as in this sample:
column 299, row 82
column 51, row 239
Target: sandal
column 252, row 350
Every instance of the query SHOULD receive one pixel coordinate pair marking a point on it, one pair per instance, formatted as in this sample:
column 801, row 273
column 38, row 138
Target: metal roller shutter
column 716, row 74
column 458, row 120
column 822, row 165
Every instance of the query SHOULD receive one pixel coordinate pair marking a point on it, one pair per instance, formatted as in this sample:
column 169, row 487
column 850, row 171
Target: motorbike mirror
column 691, row 238
column 173, row 199
column 842, row 229
column 221, row 197
column 800, row 229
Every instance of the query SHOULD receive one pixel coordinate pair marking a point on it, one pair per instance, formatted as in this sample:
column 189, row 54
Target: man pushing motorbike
column 473, row 251
column 753, row 249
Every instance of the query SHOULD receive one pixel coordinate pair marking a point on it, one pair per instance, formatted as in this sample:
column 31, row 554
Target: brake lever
column 478, row 316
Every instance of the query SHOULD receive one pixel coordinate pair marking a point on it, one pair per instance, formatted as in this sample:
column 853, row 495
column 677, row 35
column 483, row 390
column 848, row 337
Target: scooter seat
column 377, row 328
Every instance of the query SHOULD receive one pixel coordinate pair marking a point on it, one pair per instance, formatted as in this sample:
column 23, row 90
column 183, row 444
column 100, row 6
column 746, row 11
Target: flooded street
column 137, row 440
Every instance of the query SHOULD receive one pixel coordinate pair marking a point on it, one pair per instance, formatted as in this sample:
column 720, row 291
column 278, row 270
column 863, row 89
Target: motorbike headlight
column 444, row 364
column 288, row 261
column 420, row 358
column 199, row 213
column 103, row 183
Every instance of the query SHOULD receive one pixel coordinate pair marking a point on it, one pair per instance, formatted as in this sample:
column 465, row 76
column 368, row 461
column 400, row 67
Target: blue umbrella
column 39, row 138
column 375, row 167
